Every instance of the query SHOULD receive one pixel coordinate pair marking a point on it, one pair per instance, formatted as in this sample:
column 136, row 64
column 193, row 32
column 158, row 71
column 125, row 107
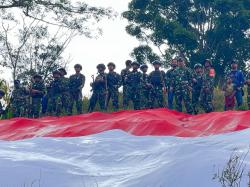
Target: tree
column 196, row 29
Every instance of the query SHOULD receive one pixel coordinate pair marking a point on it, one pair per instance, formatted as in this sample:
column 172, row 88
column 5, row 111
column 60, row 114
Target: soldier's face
column 198, row 70
column 111, row 68
column 234, row 66
column 128, row 66
column 181, row 63
column 100, row 70
column 174, row 63
column 135, row 67
column 145, row 70
column 77, row 69
column 207, row 64
column 157, row 66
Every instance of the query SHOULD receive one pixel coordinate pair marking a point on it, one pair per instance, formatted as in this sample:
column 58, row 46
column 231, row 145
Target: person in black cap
column 99, row 88
column 134, row 83
column 37, row 91
column 238, row 79
column 124, row 74
column 114, row 83
column 76, row 84
column 146, row 87
column 157, row 80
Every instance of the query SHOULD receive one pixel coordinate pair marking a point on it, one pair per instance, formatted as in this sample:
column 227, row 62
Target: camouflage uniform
column 134, row 82
column 124, row 74
column 19, row 102
column 2, row 111
column 37, row 98
column 54, row 91
column 182, row 82
column 168, row 78
column 156, row 79
column 76, row 83
column 114, row 82
column 196, row 91
column 99, row 92
column 207, row 91
column 145, row 93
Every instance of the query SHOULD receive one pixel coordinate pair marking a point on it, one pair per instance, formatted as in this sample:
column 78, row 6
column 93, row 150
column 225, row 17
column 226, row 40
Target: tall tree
column 196, row 29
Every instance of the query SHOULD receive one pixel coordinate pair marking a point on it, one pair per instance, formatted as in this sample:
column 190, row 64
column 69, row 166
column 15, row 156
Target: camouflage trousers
column 183, row 95
column 113, row 94
column 134, row 95
column 125, row 97
column 207, row 100
column 97, row 96
column 145, row 93
column 54, row 107
column 196, row 100
column 75, row 98
column 156, row 94
column 36, row 106
column 19, row 108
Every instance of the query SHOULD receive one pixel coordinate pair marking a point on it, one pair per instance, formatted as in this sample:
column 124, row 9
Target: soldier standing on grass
column 37, row 92
column 197, row 85
column 76, row 84
column 157, row 80
column 182, row 82
column 146, row 87
column 114, row 82
column 100, row 88
column 207, row 90
column 134, row 82
column 124, row 74
column 168, row 78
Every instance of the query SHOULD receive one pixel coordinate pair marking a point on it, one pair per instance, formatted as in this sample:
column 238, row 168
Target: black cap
column 78, row 66
column 101, row 66
column 37, row 76
column 157, row 62
column 111, row 64
column 144, row 66
column 57, row 72
column 2, row 93
column 63, row 71
column 135, row 63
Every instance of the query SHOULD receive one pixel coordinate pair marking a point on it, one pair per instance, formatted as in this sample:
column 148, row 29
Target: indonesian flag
column 150, row 148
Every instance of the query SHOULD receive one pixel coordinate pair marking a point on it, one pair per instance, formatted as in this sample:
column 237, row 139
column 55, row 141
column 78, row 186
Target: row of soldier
column 193, row 88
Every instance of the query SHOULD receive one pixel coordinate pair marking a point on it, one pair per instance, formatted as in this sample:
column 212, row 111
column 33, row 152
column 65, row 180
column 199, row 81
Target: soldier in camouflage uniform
column 76, row 84
column 55, row 95
column 182, row 82
column 2, row 111
column 124, row 74
column 197, row 85
column 37, row 92
column 168, row 78
column 207, row 90
column 146, row 87
column 114, row 83
column 66, row 97
column 248, row 89
column 19, row 100
column 157, row 81
column 134, row 82
column 99, row 88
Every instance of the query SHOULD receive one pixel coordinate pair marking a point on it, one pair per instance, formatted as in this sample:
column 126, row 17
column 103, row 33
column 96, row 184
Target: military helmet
column 135, row 63
column 37, row 76
column 198, row 65
column 101, row 66
column 2, row 93
column 78, row 66
column 209, row 61
column 157, row 62
column 144, row 66
column 63, row 70
column 128, row 62
column 111, row 64
column 56, row 72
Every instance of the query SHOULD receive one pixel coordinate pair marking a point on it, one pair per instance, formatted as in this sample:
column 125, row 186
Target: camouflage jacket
column 124, row 74
column 157, row 79
column 114, row 80
column 169, row 78
column 100, row 83
column 208, row 80
column 65, row 85
column 197, row 85
column 19, row 95
column 134, row 80
column 40, row 87
column 76, row 82
column 55, row 88
column 182, row 78
column 145, row 81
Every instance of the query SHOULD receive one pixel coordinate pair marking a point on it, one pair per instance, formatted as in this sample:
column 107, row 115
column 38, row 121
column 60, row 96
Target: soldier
column 146, row 87
column 197, row 85
column 182, row 82
column 37, row 92
column 134, row 83
column 114, row 83
column 76, row 84
column 66, row 97
column 2, row 111
column 99, row 87
column 239, row 81
column 19, row 100
column 207, row 90
column 168, row 78
column 55, row 95
column 124, row 74
column 248, row 89
column 157, row 80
